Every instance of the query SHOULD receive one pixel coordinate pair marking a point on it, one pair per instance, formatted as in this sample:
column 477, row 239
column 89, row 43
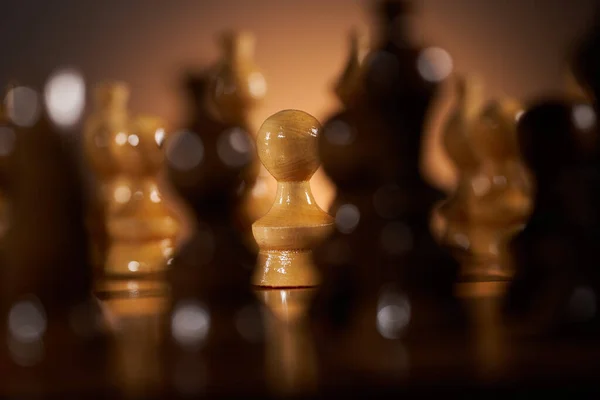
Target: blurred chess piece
column 347, row 86
column 54, row 338
column 291, row 361
column 556, row 286
column 213, row 341
column 501, row 197
column 109, row 118
column 237, row 85
column 235, row 88
column 574, row 89
column 6, row 145
column 141, row 226
column 586, row 61
column 125, row 154
column 287, row 147
column 492, row 198
column 456, row 140
column 556, row 280
column 475, row 226
column 387, row 284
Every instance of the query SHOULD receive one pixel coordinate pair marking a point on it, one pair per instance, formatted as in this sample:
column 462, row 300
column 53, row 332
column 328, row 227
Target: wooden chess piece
column 109, row 118
column 236, row 85
column 348, row 84
column 7, row 139
column 54, row 339
column 452, row 213
column 476, row 225
column 387, row 284
column 287, row 146
column 235, row 88
column 554, row 255
column 502, row 188
column 557, row 283
column 223, row 353
column 575, row 90
column 586, row 62
column 492, row 199
column 141, row 227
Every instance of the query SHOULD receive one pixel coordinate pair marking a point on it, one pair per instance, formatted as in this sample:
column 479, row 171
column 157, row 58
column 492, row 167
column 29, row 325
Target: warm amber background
column 517, row 46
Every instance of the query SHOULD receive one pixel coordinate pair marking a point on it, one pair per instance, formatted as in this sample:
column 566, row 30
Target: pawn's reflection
column 290, row 353
column 135, row 310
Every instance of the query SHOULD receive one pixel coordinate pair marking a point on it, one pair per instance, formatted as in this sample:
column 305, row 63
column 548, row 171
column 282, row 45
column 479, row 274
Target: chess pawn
column 109, row 118
column 287, row 147
column 348, row 84
column 141, row 226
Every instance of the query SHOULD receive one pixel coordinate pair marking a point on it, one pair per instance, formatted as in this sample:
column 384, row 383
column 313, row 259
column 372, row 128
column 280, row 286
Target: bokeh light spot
column 190, row 324
column 23, row 106
column 434, row 64
column 347, row 218
column 64, row 95
column 185, row 151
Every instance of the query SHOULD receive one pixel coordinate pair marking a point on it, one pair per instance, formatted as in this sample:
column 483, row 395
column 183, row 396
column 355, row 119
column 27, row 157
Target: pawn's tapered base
column 285, row 269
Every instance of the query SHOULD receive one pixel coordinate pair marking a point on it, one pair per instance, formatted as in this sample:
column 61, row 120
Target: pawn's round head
column 287, row 145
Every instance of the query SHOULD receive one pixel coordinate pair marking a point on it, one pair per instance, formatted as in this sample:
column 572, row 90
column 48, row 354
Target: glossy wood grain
column 287, row 146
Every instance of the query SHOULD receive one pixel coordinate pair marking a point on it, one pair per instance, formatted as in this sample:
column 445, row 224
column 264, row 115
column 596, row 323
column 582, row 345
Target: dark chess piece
column 236, row 86
column 387, row 283
column 586, row 60
column 54, row 339
column 347, row 86
column 213, row 343
column 556, row 277
column 6, row 132
column 557, row 281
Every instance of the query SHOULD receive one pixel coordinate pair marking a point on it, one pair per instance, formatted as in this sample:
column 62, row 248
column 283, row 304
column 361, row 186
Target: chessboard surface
column 486, row 359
